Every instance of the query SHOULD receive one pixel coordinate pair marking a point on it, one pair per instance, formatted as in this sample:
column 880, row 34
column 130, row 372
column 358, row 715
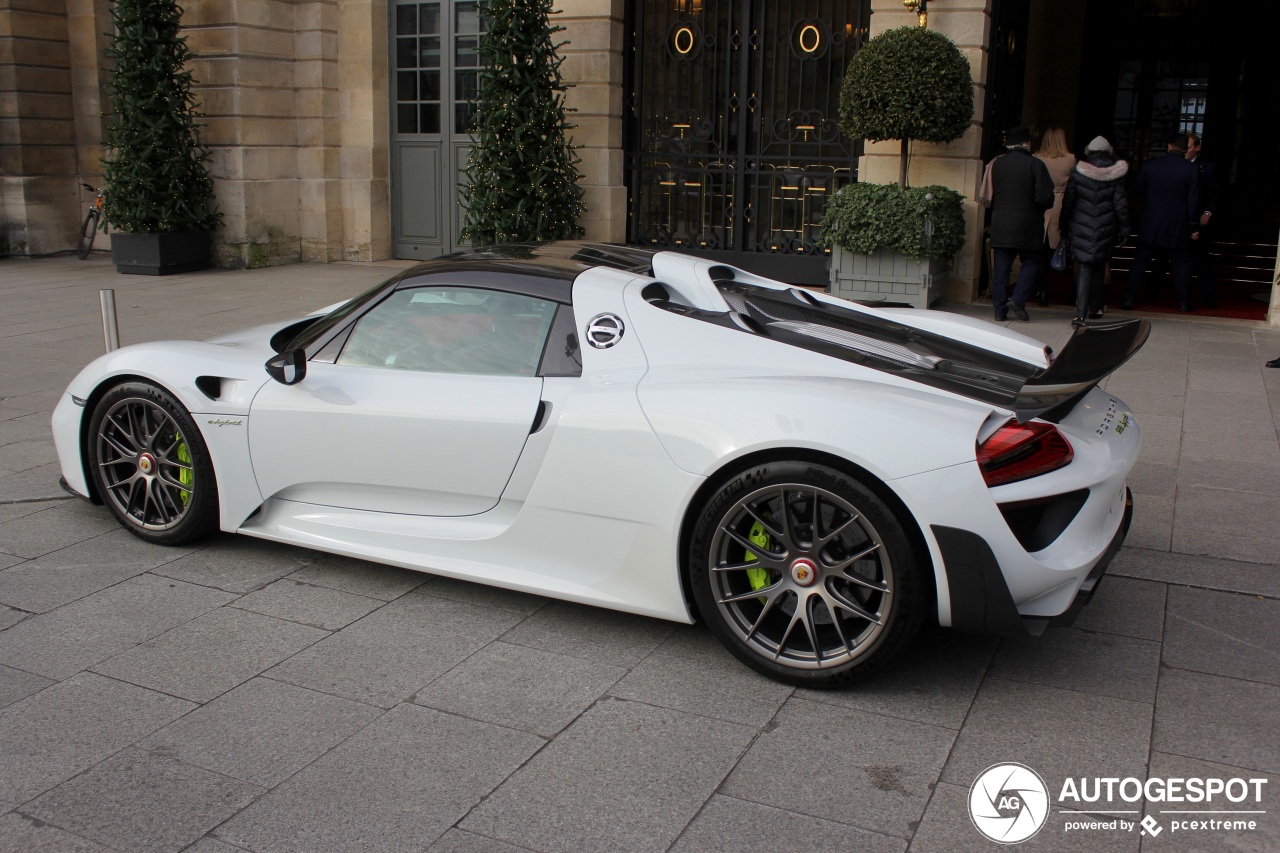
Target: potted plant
column 159, row 195
column 522, row 175
column 892, row 243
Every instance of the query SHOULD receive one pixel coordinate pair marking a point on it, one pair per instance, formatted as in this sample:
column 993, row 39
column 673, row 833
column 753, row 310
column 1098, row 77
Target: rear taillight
column 1019, row 451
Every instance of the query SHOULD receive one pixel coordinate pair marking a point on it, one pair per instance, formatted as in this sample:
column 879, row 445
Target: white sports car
column 650, row 432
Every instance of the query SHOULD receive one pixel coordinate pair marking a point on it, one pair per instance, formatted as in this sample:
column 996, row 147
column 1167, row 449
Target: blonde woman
column 1060, row 162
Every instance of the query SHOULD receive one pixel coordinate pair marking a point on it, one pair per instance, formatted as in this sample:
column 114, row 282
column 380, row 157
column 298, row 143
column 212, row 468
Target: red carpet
column 1235, row 299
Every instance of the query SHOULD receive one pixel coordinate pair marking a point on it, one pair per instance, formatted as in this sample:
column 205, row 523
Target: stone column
column 593, row 64
column 40, row 210
column 957, row 165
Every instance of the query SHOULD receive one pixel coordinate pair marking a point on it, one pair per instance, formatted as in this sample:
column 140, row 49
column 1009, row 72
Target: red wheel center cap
column 146, row 463
column 804, row 572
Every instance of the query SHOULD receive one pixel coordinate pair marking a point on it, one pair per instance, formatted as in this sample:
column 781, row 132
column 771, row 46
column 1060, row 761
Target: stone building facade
column 300, row 115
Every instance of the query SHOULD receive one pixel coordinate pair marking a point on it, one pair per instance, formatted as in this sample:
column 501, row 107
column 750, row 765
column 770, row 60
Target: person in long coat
column 1206, row 208
column 1094, row 220
column 1021, row 191
column 1059, row 160
column 1172, row 189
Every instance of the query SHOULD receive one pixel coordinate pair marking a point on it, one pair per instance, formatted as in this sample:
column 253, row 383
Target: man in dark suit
column 1171, row 187
column 1021, row 192
column 1206, row 208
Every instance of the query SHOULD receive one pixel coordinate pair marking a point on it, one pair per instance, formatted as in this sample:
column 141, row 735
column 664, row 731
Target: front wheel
column 151, row 466
column 805, row 575
column 88, row 231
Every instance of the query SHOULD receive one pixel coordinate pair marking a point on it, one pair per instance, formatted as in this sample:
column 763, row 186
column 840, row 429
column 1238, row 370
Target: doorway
column 733, row 144
column 435, row 65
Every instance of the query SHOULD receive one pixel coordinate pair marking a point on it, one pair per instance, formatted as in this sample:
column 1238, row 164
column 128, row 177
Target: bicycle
column 89, row 229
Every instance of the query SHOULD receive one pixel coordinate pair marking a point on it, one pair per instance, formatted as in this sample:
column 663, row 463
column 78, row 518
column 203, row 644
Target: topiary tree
column 907, row 83
column 154, row 166
column 522, row 172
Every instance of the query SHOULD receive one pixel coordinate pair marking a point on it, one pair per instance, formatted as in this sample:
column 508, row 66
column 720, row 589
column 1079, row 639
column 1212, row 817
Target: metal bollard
column 110, row 332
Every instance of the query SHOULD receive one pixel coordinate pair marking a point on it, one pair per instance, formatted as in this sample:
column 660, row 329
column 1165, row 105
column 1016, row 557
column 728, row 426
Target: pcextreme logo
column 1009, row 803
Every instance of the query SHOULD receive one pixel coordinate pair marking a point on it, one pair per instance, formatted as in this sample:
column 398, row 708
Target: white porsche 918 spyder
column 650, row 432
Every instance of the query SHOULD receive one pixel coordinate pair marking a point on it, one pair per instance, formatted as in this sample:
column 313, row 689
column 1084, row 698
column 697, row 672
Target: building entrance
column 733, row 145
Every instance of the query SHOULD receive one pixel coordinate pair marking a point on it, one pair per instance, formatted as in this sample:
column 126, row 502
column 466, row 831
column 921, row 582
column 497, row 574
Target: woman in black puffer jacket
column 1095, row 219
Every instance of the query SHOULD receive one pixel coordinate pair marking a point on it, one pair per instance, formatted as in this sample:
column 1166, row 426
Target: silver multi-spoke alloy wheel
column 803, row 573
column 150, row 464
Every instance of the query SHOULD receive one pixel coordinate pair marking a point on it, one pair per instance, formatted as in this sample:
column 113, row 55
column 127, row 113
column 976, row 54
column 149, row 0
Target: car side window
column 447, row 329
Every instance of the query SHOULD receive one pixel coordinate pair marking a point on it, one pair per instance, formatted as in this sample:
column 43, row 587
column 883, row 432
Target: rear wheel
column 151, row 466
column 88, row 231
column 805, row 574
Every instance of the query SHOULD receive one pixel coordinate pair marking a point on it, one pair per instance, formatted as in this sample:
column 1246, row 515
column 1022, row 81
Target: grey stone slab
column 1056, row 732
column 947, row 828
column 211, row 654
column 10, row 511
column 591, row 633
column 26, row 428
column 1225, row 720
column 1223, row 633
column 1152, row 525
column 92, row 629
column 1146, row 403
column 519, row 687
column 1264, row 839
column 1154, row 478
column 30, row 835
column 1161, row 438
column 1121, row 605
column 392, row 653
column 1199, row 571
column 676, row 675
column 1106, row 664
column 208, row 844
column 1209, row 445
column 143, row 803
column 457, row 841
column 360, row 577
column 238, row 563
column 1232, row 381
column 863, row 769
column 262, row 731
column 730, row 825
column 25, row 454
column 485, row 596
column 50, row 529
column 117, row 548
column 41, row 482
column 52, row 735
column 624, row 777
column 9, row 616
column 309, row 604
column 1257, row 548
column 1205, row 426
column 16, row 684
column 1242, row 474
column 934, row 681
column 38, row 587
column 397, row 785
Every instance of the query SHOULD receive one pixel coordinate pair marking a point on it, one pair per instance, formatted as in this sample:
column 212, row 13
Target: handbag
column 1058, row 260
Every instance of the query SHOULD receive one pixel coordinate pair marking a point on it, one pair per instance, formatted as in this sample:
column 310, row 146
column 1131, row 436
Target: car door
column 421, row 407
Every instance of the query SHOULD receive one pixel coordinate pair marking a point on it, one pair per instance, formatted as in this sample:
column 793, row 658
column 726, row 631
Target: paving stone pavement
column 238, row 695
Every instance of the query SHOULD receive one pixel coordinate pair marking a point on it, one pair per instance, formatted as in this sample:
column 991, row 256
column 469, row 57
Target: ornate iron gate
column 732, row 139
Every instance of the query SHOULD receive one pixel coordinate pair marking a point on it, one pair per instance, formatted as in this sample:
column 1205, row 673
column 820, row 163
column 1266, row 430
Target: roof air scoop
column 861, row 343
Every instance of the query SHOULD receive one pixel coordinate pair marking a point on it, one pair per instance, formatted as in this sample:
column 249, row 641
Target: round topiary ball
column 907, row 83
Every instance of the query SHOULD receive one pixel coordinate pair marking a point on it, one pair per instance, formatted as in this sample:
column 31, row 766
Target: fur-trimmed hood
column 1114, row 172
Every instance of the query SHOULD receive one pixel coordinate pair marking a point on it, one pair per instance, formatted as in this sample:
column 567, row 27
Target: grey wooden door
column 434, row 80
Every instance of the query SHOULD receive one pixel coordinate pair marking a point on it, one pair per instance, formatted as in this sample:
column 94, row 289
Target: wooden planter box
column 160, row 254
column 885, row 278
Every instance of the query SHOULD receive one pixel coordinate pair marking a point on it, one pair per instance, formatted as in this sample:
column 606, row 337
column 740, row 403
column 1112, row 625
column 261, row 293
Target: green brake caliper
column 186, row 476
column 758, row 577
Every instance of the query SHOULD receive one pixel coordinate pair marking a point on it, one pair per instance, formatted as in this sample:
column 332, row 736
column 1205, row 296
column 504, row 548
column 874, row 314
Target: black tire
column 816, row 610
column 88, row 231
column 151, row 466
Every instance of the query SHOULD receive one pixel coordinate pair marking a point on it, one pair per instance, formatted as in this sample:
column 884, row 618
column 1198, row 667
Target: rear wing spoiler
column 1093, row 351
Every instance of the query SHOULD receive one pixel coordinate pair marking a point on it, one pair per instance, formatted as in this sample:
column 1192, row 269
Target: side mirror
column 287, row 368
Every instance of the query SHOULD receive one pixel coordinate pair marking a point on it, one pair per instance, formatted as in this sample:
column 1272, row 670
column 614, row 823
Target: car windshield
column 315, row 330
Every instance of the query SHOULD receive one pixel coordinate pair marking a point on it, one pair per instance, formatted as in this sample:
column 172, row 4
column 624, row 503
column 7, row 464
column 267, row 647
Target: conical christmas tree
column 522, row 172
column 154, row 165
